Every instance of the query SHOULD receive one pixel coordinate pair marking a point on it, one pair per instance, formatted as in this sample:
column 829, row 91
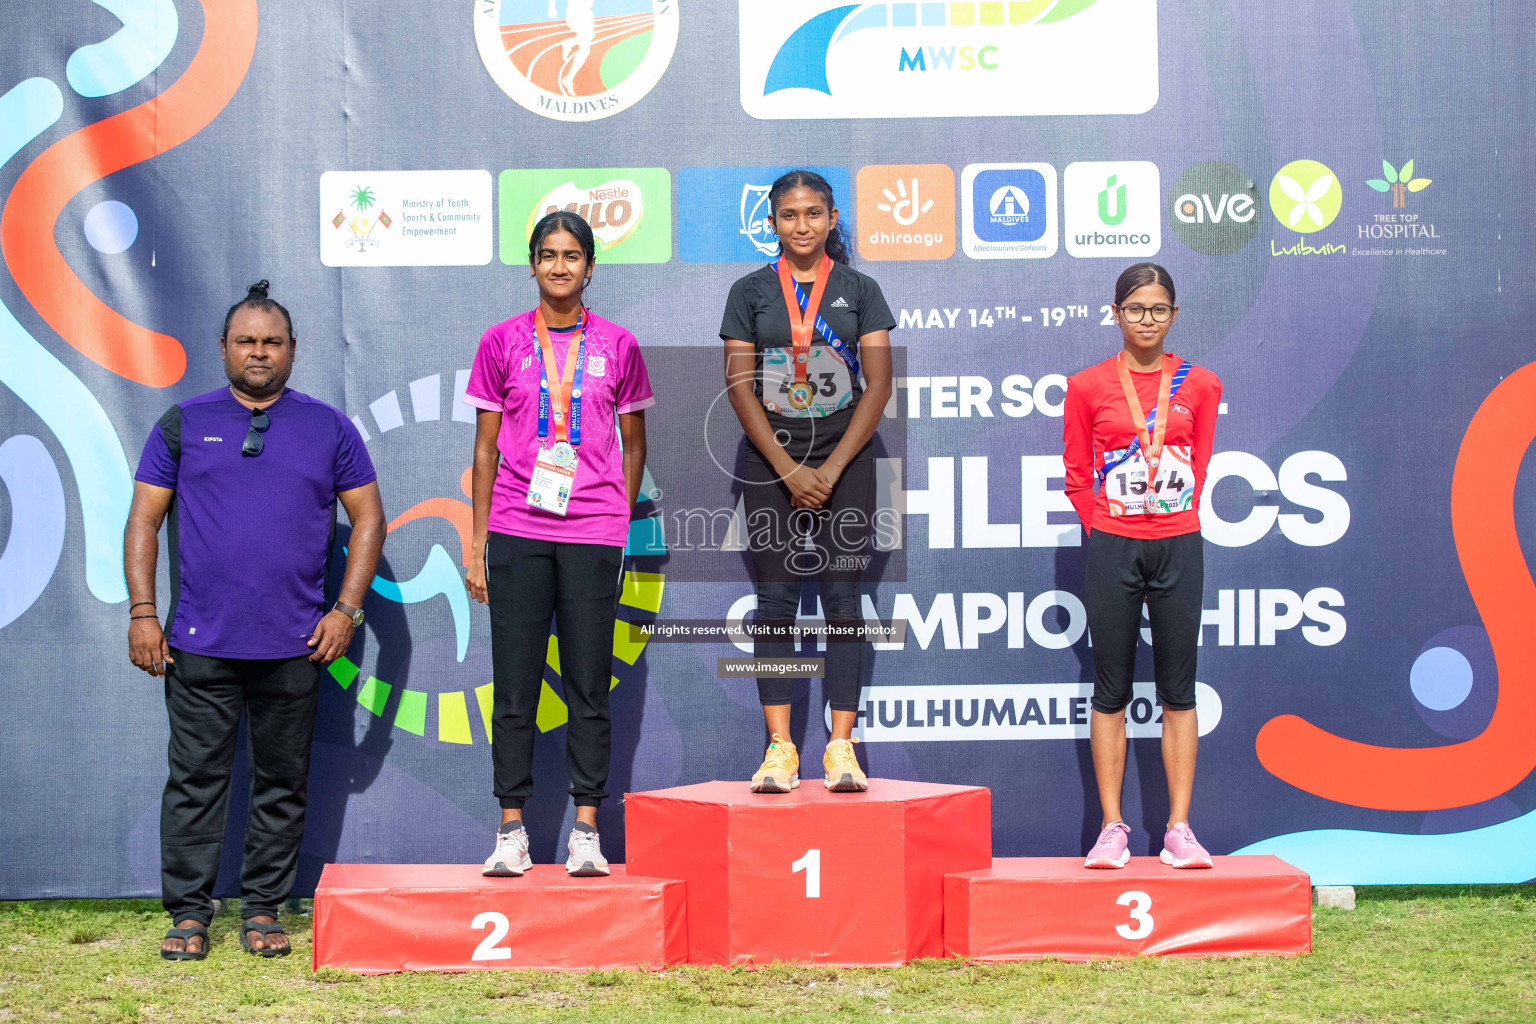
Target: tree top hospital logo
column 820, row 58
column 576, row 60
column 1305, row 196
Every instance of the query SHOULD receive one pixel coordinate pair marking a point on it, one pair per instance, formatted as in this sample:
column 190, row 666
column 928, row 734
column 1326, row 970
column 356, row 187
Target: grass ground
column 1432, row 954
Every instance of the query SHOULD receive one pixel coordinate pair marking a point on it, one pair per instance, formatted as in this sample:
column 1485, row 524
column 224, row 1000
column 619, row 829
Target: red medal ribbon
column 1152, row 447
column 802, row 323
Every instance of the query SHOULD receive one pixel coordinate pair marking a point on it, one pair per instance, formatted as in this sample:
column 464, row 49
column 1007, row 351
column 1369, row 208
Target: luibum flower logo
column 1305, row 196
column 576, row 60
column 815, row 58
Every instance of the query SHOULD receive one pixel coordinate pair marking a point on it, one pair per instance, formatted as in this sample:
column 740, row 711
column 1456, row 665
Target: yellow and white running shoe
column 780, row 771
column 843, row 774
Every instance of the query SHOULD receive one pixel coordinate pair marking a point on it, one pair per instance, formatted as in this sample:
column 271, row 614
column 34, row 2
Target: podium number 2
column 811, row 865
column 1140, row 903
column 488, row 948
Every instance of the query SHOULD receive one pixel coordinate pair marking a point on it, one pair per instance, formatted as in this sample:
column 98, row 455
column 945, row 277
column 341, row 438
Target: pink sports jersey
column 505, row 379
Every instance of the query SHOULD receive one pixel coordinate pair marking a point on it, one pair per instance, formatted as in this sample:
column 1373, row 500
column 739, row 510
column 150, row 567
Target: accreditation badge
column 554, row 477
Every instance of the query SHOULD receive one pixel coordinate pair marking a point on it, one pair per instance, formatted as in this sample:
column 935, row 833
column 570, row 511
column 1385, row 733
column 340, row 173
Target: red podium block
column 378, row 918
column 848, row 879
column 1025, row 908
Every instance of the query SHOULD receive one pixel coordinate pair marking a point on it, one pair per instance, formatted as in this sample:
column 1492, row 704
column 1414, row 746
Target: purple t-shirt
column 505, row 379
column 249, row 536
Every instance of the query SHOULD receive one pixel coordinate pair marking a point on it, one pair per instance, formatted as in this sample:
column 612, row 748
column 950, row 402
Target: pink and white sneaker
column 1112, row 850
column 1182, row 850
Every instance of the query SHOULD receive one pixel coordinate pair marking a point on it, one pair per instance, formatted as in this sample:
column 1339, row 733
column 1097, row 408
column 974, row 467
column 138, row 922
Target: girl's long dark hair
column 1139, row 275
column 837, row 238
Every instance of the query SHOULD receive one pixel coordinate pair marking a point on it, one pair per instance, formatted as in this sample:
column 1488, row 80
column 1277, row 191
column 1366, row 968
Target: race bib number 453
column 1128, row 493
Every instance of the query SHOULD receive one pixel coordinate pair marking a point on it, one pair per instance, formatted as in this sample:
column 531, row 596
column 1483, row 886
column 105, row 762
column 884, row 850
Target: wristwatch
column 355, row 614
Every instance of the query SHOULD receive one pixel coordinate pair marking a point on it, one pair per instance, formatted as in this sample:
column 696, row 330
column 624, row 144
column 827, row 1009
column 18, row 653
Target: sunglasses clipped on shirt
column 253, row 443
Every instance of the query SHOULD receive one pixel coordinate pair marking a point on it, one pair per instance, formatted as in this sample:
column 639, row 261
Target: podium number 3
column 811, row 865
column 1140, row 903
column 488, row 948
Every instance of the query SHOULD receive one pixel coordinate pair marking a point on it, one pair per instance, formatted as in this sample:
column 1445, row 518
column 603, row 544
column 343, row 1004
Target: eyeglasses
column 1133, row 314
column 253, row 444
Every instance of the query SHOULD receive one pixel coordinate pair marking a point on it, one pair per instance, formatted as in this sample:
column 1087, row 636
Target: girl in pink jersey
column 1141, row 425
column 559, row 454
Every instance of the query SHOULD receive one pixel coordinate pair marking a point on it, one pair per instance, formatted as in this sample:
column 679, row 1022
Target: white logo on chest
column 597, row 366
column 213, row 439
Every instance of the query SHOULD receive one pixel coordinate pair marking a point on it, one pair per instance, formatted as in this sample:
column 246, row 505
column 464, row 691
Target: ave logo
column 1215, row 209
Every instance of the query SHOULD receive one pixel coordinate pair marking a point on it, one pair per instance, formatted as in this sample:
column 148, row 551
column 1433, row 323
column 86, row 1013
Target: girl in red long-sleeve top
column 1138, row 431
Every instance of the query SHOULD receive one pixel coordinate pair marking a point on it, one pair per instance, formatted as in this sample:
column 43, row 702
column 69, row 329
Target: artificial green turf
column 1431, row 954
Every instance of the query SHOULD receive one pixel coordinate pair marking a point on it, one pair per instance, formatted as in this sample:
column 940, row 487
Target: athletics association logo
column 576, row 60
column 724, row 215
column 822, row 58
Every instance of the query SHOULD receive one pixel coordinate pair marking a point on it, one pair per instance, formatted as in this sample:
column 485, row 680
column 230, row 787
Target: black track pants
column 204, row 699
column 578, row 585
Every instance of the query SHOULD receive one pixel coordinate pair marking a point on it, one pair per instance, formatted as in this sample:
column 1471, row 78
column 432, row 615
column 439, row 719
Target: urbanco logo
column 1215, row 208
column 822, row 58
column 906, row 212
column 1305, row 196
column 724, row 214
column 1113, row 208
column 1008, row 211
column 629, row 209
column 576, row 60
column 1399, row 183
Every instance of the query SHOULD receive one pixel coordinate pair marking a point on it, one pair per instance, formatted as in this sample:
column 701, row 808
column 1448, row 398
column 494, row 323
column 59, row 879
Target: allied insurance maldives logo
column 576, row 60
column 815, row 58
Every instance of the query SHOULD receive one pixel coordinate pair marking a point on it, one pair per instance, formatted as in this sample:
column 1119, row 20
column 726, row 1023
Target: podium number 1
column 1140, row 903
column 488, row 948
column 811, row 865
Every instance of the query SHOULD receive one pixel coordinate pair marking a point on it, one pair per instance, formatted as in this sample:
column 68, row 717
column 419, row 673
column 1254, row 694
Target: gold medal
column 800, row 395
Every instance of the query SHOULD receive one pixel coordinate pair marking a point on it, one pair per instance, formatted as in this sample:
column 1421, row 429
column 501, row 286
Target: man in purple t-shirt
column 250, row 475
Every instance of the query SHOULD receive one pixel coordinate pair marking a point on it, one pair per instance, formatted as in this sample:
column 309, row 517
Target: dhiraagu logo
column 814, row 58
column 432, row 675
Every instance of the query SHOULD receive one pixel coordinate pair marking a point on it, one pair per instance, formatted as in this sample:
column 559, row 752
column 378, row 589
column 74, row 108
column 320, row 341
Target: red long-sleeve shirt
column 1098, row 420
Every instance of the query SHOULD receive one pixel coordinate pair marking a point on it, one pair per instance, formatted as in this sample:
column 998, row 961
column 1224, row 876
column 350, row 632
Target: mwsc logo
column 815, row 58
column 576, row 60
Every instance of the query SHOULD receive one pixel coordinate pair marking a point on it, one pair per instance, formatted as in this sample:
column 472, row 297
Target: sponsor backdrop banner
column 1339, row 189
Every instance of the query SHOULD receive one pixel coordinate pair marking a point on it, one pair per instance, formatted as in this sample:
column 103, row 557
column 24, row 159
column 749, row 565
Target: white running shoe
column 511, row 857
column 586, row 855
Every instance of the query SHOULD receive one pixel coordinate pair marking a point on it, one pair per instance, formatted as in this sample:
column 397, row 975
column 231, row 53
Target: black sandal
column 275, row 928
column 186, row 935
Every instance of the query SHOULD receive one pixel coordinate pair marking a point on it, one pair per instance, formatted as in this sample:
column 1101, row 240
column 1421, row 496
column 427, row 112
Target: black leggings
column 839, row 533
column 1169, row 575
column 578, row 585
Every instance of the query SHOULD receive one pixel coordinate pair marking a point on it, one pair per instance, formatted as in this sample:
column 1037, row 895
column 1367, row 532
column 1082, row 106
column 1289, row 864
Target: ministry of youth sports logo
column 576, row 60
